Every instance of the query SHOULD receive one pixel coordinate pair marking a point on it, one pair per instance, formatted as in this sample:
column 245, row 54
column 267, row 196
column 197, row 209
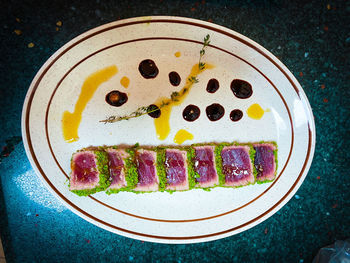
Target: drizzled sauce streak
column 174, row 78
column 213, row 85
column 191, row 113
column 116, row 98
column 162, row 124
column 215, row 112
column 71, row 121
column 148, row 69
column 241, row 89
column 236, row 115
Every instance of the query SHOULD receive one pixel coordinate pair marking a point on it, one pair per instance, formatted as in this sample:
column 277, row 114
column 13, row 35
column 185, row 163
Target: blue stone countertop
column 312, row 38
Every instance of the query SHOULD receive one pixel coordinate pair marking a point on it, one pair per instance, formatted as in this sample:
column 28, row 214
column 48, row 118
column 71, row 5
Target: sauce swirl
column 241, row 88
column 116, row 98
column 155, row 111
column 174, row 78
column 148, row 69
column 213, row 85
column 236, row 115
column 215, row 112
column 191, row 113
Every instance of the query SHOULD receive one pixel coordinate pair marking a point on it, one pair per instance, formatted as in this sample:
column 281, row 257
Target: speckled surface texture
column 312, row 39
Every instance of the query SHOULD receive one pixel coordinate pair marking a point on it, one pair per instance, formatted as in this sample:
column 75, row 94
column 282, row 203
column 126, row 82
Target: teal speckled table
column 312, row 39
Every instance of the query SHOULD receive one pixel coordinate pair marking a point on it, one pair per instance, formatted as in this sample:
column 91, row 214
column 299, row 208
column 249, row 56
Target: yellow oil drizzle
column 125, row 81
column 147, row 18
column 71, row 121
column 182, row 135
column 256, row 112
column 177, row 54
column 162, row 123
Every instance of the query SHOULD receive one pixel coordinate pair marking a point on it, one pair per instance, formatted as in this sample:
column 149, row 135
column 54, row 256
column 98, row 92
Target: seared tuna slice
column 265, row 161
column 237, row 166
column 204, row 166
column 89, row 172
column 116, row 165
column 176, row 169
column 146, row 168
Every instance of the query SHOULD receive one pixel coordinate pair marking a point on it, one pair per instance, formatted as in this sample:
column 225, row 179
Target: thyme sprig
column 174, row 97
column 193, row 79
column 144, row 110
column 139, row 112
column 206, row 42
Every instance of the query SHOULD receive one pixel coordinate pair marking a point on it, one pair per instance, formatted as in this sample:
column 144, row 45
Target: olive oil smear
column 125, row 81
column 255, row 111
column 182, row 135
column 162, row 124
column 71, row 121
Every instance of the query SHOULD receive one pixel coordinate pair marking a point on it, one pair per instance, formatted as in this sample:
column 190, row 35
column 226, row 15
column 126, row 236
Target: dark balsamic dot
column 213, row 85
column 155, row 111
column 174, row 78
column 191, row 113
column 241, row 89
column 116, row 98
column 148, row 69
column 236, row 115
column 215, row 112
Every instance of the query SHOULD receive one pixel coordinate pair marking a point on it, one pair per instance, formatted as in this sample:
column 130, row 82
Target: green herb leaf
column 206, row 42
column 174, row 96
column 193, row 79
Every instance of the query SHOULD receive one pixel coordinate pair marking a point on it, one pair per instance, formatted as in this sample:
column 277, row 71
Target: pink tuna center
column 146, row 169
column 85, row 168
column 204, row 165
column 235, row 164
column 175, row 168
column 115, row 167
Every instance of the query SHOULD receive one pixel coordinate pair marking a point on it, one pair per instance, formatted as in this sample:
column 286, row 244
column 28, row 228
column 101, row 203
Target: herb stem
column 143, row 110
column 174, row 96
column 206, row 42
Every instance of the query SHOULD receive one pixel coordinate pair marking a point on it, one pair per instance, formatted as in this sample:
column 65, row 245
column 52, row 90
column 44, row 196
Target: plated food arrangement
column 159, row 105
column 148, row 169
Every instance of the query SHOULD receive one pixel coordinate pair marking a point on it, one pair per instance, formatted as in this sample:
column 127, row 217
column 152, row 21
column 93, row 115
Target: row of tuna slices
column 172, row 169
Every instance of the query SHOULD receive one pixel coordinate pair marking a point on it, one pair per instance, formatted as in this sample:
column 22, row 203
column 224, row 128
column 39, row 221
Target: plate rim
column 148, row 19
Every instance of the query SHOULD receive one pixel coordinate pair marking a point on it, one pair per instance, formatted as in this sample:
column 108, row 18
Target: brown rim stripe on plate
column 177, row 39
column 155, row 21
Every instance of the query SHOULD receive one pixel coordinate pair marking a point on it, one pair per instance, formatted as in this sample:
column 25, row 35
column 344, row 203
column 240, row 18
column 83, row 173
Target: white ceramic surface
column 182, row 217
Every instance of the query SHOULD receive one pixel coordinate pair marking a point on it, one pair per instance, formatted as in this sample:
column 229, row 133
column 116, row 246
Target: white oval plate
column 182, row 217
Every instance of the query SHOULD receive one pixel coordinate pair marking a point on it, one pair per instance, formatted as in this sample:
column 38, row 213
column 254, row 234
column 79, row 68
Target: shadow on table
column 4, row 228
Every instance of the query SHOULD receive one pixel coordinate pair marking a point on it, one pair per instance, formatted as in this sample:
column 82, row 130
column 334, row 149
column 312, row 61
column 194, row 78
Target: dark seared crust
column 276, row 161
